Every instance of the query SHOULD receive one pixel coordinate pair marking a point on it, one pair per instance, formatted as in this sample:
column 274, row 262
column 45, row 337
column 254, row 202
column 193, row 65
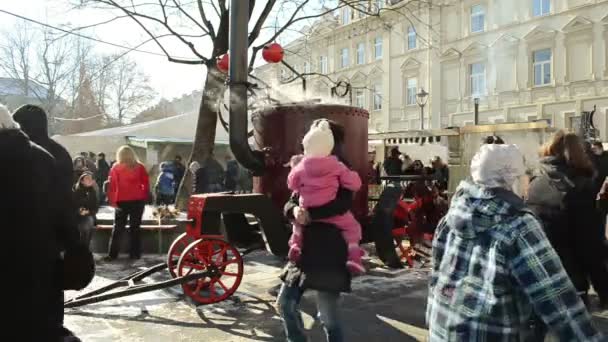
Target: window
column 411, row 38
column 478, row 78
column 283, row 75
column 323, row 64
column 575, row 123
column 378, row 48
column 344, row 58
column 411, row 89
column 542, row 67
column 360, row 98
column 346, row 15
column 377, row 92
column 307, row 67
column 541, row 7
column 361, row 53
column 477, row 19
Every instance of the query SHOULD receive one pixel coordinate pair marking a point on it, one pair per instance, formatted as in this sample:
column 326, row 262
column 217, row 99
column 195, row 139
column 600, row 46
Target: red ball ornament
column 273, row 53
column 223, row 63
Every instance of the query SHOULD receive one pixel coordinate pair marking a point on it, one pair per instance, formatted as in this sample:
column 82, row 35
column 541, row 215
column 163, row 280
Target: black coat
column 103, row 171
column 85, row 197
column 210, row 174
column 199, row 182
column 28, row 207
column 393, row 166
column 564, row 202
column 33, row 121
column 180, row 171
column 601, row 167
column 322, row 265
column 71, row 272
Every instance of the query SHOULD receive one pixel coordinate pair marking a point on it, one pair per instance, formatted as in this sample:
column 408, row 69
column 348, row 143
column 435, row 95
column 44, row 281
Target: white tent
column 178, row 129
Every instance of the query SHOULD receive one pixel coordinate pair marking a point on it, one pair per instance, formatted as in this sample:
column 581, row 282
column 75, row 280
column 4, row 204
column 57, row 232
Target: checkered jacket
column 494, row 270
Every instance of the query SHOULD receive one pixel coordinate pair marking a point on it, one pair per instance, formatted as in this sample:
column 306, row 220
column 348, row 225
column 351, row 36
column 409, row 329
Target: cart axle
column 100, row 295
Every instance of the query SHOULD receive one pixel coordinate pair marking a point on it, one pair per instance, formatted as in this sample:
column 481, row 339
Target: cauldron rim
column 273, row 109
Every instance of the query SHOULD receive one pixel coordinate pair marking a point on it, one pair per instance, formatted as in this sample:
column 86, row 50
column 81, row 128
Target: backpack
column 550, row 203
column 166, row 183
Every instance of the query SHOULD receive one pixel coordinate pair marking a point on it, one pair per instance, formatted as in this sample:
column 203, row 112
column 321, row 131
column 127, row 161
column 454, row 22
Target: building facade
column 524, row 60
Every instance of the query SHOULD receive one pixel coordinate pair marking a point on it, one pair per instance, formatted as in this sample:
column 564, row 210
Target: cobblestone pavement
column 384, row 306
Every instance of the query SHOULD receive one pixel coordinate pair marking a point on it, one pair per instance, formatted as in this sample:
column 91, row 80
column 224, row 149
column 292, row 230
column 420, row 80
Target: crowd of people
column 210, row 176
column 513, row 258
column 399, row 164
column 510, row 262
column 51, row 204
column 513, row 264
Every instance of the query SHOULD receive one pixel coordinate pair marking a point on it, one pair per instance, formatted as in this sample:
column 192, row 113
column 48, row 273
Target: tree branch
column 134, row 15
column 222, row 4
column 206, row 21
column 289, row 23
column 190, row 17
column 261, row 20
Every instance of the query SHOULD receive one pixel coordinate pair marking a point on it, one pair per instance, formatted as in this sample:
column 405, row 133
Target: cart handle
column 187, row 221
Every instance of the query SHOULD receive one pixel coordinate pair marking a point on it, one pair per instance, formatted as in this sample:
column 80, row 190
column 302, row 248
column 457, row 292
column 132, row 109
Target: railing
column 374, row 190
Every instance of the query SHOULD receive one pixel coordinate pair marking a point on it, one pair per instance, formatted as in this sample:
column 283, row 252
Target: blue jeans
column 327, row 308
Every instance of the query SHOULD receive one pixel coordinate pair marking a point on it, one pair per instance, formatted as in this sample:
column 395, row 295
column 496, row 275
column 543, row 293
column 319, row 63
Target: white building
column 524, row 59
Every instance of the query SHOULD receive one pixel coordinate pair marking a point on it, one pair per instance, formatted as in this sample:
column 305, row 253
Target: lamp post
column 476, row 101
column 421, row 98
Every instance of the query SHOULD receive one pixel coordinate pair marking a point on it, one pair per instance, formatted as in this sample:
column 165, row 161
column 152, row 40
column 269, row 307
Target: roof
column 178, row 129
column 14, row 87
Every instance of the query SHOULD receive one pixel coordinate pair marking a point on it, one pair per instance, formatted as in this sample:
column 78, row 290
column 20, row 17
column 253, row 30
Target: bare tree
column 16, row 54
column 103, row 76
column 58, row 61
column 130, row 90
column 201, row 29
column 42, row 64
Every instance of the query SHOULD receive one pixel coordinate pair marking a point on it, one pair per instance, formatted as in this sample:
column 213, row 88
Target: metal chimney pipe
column 238, row 46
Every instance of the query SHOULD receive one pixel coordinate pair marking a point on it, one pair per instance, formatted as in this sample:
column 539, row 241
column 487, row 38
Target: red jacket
column 128, row 184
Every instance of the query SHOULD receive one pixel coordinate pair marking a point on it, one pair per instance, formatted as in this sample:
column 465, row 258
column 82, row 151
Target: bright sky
column 168, row 79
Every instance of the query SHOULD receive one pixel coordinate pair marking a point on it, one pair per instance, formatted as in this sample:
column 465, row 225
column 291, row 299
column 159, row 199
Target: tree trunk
column 204, row 139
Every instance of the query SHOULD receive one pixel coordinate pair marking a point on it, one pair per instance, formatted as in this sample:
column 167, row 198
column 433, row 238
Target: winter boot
column 354, row 264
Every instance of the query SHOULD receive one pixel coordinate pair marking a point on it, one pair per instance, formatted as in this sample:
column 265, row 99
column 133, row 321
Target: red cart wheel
column 175, row 251
column 211, row 255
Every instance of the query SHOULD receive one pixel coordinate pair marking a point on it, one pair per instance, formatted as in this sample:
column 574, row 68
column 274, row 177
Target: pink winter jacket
column 317, row 179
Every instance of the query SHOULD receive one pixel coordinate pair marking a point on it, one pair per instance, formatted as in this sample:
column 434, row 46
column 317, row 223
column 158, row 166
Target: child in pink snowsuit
column 316, row 178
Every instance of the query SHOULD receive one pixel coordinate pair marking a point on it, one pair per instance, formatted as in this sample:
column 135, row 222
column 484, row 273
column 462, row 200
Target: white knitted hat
column 194, row 166
column 319, row 141
column 6, row 119
column 497, row 166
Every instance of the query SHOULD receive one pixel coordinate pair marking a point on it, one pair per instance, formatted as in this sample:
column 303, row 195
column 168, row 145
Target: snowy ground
column 384, row 306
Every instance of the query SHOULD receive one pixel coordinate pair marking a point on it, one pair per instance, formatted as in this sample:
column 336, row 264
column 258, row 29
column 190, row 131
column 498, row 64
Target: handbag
column 78, row 267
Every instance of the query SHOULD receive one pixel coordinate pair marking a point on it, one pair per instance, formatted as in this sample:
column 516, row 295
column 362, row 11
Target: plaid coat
column 494, row 270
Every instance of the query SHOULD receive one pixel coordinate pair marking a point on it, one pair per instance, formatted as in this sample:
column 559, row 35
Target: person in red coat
column 129, row 188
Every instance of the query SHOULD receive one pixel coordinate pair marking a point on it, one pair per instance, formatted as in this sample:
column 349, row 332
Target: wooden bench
column 154, row 227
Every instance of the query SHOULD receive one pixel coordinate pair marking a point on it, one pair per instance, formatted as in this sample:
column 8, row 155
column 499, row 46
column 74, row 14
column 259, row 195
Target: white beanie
column 319, row 141
column 497, row 166
column 6, row 119
column 194, row 166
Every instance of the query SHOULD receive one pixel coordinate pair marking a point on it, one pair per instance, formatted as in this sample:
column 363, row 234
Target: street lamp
column 421, row 98
column 476, row 101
